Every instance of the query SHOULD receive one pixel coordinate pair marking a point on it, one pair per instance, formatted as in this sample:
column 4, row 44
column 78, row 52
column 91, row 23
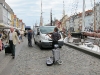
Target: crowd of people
column 12, row 36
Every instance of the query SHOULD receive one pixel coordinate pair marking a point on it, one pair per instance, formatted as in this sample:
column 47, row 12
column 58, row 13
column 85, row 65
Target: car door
column 38, row 35
column 35, row 35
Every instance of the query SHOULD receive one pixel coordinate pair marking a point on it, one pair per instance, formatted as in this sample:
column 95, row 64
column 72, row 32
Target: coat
column 29, row 35
column 14, row 38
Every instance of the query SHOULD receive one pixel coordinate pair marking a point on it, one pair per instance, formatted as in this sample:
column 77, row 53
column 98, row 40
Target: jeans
column 29, row 42
column 12, row 47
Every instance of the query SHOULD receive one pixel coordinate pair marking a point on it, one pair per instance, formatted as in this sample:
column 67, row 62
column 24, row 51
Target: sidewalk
column 6, row 61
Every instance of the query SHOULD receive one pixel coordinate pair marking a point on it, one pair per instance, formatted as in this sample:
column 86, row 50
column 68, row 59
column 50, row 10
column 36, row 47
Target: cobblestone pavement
column 6, row 61
column 32, row 61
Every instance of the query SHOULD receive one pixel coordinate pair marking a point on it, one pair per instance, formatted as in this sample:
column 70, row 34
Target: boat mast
column 63, row 9
column 83, row 16
column 41, row 19
column 94, row 16
column 51, row 17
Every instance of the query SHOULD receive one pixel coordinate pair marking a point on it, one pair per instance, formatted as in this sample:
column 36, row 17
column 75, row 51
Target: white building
column 89, row 19
column 98, row 15
column 5, row 14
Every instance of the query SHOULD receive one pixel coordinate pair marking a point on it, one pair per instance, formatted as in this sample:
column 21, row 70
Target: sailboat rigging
column 88, row 44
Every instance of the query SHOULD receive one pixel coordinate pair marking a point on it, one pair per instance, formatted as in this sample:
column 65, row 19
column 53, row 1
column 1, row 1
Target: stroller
column 56, row 56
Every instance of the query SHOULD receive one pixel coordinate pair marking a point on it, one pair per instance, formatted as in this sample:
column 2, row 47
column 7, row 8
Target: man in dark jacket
column 30, row 38
column 55, row 36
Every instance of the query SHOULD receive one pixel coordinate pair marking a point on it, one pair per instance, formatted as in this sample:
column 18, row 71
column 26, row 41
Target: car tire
column 60, row 46
column 40, row 45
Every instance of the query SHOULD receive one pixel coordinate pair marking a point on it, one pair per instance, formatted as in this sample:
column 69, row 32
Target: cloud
column 30, row 10
column 12, row 1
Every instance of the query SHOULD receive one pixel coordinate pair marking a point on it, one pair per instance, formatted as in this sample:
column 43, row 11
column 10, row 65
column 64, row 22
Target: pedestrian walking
column 64, row 34
column 0, row 42
column 21, row 35
column 12, row 38
column 26, row 32
column 30, row 38
column 18, row 33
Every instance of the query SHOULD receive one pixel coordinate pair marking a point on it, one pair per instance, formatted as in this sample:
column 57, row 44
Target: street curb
column 87, row 51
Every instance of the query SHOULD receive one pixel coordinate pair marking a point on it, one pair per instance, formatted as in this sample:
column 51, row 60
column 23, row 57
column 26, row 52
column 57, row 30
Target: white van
column 42, row 39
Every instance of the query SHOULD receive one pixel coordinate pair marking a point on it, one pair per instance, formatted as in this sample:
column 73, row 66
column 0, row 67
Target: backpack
column 56, row 36
column 18, row 33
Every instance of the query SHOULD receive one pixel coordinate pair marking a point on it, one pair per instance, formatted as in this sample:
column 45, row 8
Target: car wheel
column 60, row 46
column 40, row 45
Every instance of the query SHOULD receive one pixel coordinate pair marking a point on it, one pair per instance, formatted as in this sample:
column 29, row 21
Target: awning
column 2, row 25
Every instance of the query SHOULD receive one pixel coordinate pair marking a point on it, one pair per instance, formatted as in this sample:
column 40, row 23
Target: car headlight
column 46, row 38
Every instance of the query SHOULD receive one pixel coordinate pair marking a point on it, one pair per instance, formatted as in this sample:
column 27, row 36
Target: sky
column 30, row 10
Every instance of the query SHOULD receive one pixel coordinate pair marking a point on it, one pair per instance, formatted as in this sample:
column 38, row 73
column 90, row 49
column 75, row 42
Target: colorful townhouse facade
column 75, row 21
column 8, row 18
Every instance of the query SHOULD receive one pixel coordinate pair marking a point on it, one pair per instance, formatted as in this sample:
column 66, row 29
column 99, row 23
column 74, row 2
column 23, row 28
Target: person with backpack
column 18, row 33
column 30, row 38
column 55, row 36
column 12, row 39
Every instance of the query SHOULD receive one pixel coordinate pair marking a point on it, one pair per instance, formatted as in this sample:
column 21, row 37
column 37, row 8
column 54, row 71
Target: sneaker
column 60, row 62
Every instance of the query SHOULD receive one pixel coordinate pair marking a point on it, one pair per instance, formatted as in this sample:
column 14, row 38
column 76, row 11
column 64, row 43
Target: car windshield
column 45, row 30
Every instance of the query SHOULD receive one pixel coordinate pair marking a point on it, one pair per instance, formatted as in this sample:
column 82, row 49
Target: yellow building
column 63, row 22
column 20, row 24
column 12, row 20
column 17, row 22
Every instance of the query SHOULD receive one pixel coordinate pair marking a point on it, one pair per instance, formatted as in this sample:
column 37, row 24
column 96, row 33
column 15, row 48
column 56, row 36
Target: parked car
column 42, row 39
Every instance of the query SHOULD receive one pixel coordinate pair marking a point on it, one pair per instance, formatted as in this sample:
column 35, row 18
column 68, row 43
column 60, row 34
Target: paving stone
column 32, row 61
